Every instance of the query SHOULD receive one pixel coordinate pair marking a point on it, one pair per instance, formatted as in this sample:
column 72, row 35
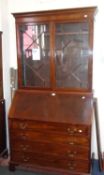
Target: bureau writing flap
column 45, row 106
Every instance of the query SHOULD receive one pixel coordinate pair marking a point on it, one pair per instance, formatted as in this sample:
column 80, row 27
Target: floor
column 4, row 161
column 5, row 171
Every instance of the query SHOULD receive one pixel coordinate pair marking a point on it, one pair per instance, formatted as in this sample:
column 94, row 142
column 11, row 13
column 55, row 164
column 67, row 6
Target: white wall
column 0, row 17
column 99, row 66
column 36, row 5
column 5, row 55
column 32, row 5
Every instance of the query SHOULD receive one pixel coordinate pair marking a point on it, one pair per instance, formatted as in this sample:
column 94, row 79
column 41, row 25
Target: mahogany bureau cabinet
column 3, row 149
column 50, row 117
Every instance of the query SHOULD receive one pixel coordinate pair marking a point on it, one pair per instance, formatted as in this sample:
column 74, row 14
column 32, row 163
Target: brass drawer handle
column 80, row 130
column 72, row 154
column 26, row 159
column 71, row 143
column 70, row 131
column 24, row 147
column 72, row 166
column 74, row 131
column 23, row 125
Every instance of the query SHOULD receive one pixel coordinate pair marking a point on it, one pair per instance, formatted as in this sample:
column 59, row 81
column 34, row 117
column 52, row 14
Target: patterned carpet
column 5, row 171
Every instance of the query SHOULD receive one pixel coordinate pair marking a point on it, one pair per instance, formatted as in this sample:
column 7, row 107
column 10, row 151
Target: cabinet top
column 90, row 10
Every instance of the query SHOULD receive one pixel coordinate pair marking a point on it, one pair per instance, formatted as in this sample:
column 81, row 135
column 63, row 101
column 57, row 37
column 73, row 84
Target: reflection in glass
column 35, row 57
column 71, row 55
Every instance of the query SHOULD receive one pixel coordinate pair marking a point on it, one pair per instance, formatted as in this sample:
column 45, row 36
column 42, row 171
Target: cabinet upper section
column 55, row 49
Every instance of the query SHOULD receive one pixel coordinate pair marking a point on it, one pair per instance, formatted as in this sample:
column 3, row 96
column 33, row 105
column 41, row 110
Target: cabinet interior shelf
column 69, row 33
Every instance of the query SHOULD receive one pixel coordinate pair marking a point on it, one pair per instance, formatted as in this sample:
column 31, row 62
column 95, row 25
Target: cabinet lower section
column 42, row 144
column 50, row 161
column 51, row 133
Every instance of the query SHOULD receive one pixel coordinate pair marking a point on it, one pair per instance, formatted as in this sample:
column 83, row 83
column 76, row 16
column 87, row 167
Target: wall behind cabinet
column 0, row 16
column 4, row 27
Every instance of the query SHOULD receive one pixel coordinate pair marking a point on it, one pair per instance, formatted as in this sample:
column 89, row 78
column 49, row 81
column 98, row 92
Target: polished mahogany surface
column 52, row 107
column 50, row 118
column 55, row 49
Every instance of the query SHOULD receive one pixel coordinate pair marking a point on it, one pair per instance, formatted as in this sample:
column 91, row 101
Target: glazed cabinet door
column 72, row 55
column 55, row 52
column 35, row 57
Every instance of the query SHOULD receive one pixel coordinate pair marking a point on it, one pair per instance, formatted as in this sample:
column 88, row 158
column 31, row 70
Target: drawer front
column 50, row 161
column 49, row 127
column 49, row 137
column 65, row 150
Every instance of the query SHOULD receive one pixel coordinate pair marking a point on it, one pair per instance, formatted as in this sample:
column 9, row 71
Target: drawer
column 50, row 161
column 51, row 127
column 65, row 150
column 49, row 137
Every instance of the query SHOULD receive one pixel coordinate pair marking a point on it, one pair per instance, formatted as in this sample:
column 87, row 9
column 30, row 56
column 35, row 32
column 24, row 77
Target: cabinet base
column 38, row 169
column 12, row 167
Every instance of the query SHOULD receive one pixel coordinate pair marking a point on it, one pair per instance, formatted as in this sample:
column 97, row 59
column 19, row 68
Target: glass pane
column 71, row 55
column 35, row 55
